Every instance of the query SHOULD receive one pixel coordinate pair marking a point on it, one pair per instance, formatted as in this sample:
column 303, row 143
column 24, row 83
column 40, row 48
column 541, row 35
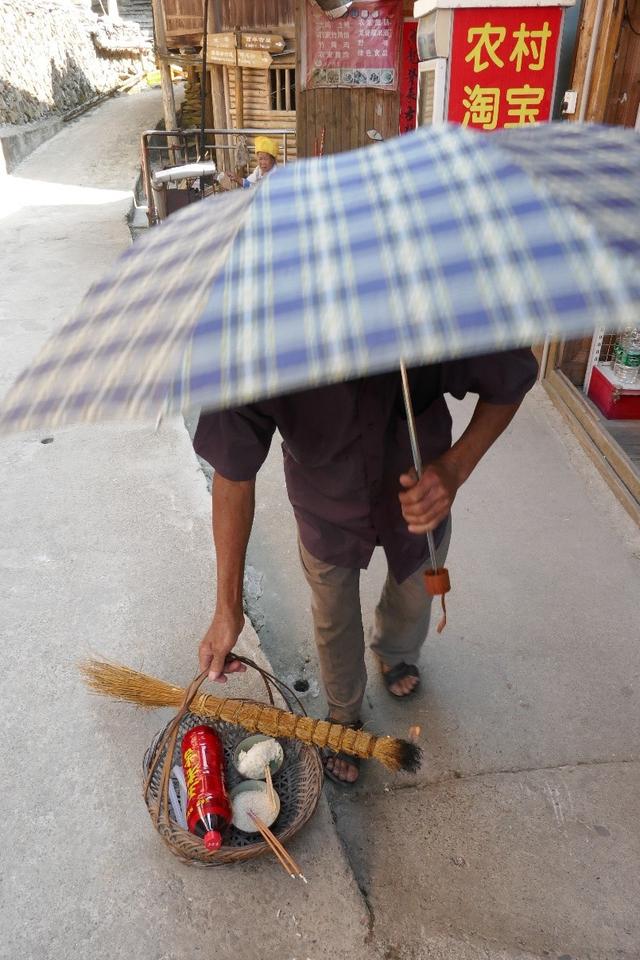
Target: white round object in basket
column 252, row 796
column 252, row 754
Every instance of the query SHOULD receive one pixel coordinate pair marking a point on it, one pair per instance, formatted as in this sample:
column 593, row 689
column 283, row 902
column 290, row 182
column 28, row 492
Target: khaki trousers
column 400, row 626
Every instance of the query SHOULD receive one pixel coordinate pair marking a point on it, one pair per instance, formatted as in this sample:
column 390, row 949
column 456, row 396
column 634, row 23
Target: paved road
column 106, row 548
column 521, row 832
column 519, row 839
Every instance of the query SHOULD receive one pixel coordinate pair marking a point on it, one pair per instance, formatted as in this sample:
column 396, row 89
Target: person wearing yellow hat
column 267, row 156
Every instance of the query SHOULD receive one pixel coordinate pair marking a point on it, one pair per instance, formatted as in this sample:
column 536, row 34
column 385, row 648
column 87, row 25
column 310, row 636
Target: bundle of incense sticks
column 284, row 858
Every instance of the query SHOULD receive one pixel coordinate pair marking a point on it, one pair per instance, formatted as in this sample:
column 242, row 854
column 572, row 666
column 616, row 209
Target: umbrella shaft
column 415, row 450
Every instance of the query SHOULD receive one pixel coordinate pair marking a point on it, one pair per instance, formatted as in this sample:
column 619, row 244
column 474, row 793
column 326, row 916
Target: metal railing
column 230, row 149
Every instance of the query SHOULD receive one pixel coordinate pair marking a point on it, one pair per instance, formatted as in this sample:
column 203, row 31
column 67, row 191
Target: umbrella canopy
column 438, row 244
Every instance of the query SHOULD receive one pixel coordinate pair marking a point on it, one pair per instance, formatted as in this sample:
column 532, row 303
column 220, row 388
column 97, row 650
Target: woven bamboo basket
column 298, row 783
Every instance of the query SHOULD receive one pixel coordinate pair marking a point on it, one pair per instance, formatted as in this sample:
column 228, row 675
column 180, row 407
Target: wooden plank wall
column 257, row 102
column 623, row 100
column 257, row 14
column 186, row 16
column 182, row 16
column 345, row 115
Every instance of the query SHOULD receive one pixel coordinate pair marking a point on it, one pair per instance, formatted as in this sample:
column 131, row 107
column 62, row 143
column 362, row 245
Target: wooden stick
column 282, row 854
column 264, row 830
column 270, row 791
column 268, row 837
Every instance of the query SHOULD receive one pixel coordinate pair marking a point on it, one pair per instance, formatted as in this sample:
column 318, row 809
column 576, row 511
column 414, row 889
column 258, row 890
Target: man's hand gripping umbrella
column 436, row 580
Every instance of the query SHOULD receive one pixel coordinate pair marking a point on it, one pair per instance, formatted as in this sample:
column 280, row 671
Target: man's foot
column 402, row 680
column 342, row 768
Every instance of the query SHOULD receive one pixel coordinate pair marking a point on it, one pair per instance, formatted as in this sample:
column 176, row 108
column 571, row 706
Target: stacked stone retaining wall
column 57, row 55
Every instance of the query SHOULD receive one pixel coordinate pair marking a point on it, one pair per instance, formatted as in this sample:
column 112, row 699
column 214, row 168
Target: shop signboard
column 503, row 66
column 409, row 77
column 360, row 49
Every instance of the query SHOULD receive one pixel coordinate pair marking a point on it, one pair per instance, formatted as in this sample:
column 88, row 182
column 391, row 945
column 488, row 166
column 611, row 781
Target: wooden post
column 218, row 99
column 239, row 99
column 603, row 60
column 302, row 149
column 239, row 87
column 623, row 108
column 232, row 155
column 160, row 201
column 216, row 73
column 168, row 99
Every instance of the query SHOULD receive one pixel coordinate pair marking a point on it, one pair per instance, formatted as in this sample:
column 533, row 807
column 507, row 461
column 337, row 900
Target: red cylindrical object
column 208, row 807
column 438, row 583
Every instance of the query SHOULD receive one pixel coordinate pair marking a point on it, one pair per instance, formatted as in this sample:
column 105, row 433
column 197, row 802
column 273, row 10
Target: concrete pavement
column 519, row 838
column 106, row 548
column 520, row 834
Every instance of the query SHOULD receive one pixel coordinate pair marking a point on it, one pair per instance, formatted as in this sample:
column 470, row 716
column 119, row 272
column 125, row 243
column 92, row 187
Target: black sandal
column 327, row 754
column 400, row 672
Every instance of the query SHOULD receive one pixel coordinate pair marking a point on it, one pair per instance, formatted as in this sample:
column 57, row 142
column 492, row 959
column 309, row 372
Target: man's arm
column 233, row 504
column 425, row 503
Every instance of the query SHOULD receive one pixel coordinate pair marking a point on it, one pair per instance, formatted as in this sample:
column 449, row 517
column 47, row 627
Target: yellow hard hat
column 266, row 145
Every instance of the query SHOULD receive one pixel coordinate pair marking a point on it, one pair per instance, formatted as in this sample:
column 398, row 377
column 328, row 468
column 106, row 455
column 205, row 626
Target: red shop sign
column 360, row 49
column 503, row 66
column 408, row 78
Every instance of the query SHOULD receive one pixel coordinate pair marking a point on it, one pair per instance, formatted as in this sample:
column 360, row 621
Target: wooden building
column 272, row 95
column 250, row 83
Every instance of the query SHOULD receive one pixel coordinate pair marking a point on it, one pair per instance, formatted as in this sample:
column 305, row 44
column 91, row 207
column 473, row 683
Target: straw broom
column 123, row 683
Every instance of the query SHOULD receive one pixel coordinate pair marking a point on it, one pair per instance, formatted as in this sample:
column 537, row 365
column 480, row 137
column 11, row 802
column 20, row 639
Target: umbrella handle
column 415, row 451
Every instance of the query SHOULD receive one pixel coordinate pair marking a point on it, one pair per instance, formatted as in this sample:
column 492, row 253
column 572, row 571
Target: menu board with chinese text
column 360, row 49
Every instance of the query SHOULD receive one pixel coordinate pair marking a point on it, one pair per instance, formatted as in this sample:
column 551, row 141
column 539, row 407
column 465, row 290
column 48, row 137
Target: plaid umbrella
column 437, row 244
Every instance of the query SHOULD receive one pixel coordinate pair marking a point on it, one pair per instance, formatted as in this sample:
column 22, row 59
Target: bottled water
column 626, row 357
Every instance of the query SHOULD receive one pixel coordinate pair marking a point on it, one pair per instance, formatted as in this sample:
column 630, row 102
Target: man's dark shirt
column 345, row 446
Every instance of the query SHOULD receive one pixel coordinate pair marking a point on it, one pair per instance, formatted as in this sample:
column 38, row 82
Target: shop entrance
column 603, row 410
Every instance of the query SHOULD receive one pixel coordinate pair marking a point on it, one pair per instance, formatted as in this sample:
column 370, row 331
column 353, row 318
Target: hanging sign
column 223, row 56
column 409, row 77
column 270, row 42
column 258, row 59
column 253, row 49
column 360, row 49
column 230, row 57
column 226, row 40
column 503, row 66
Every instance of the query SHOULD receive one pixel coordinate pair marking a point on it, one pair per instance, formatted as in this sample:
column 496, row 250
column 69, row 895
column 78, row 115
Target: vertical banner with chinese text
column 360, row 49
column 409, row 77
column 503, row 66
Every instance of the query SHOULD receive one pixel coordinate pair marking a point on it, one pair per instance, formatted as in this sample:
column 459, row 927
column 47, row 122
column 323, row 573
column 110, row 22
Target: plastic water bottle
column 626, row 357
column 208, row 812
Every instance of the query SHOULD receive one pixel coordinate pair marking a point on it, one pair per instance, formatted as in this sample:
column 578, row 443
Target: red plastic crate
column 615, row 401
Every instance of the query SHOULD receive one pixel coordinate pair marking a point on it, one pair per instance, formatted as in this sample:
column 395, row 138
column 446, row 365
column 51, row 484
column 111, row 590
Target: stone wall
column 56, row 55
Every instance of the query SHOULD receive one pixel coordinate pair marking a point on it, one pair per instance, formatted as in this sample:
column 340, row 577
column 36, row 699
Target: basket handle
column 170, row 736
column 272, row 683
column 168, row 740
